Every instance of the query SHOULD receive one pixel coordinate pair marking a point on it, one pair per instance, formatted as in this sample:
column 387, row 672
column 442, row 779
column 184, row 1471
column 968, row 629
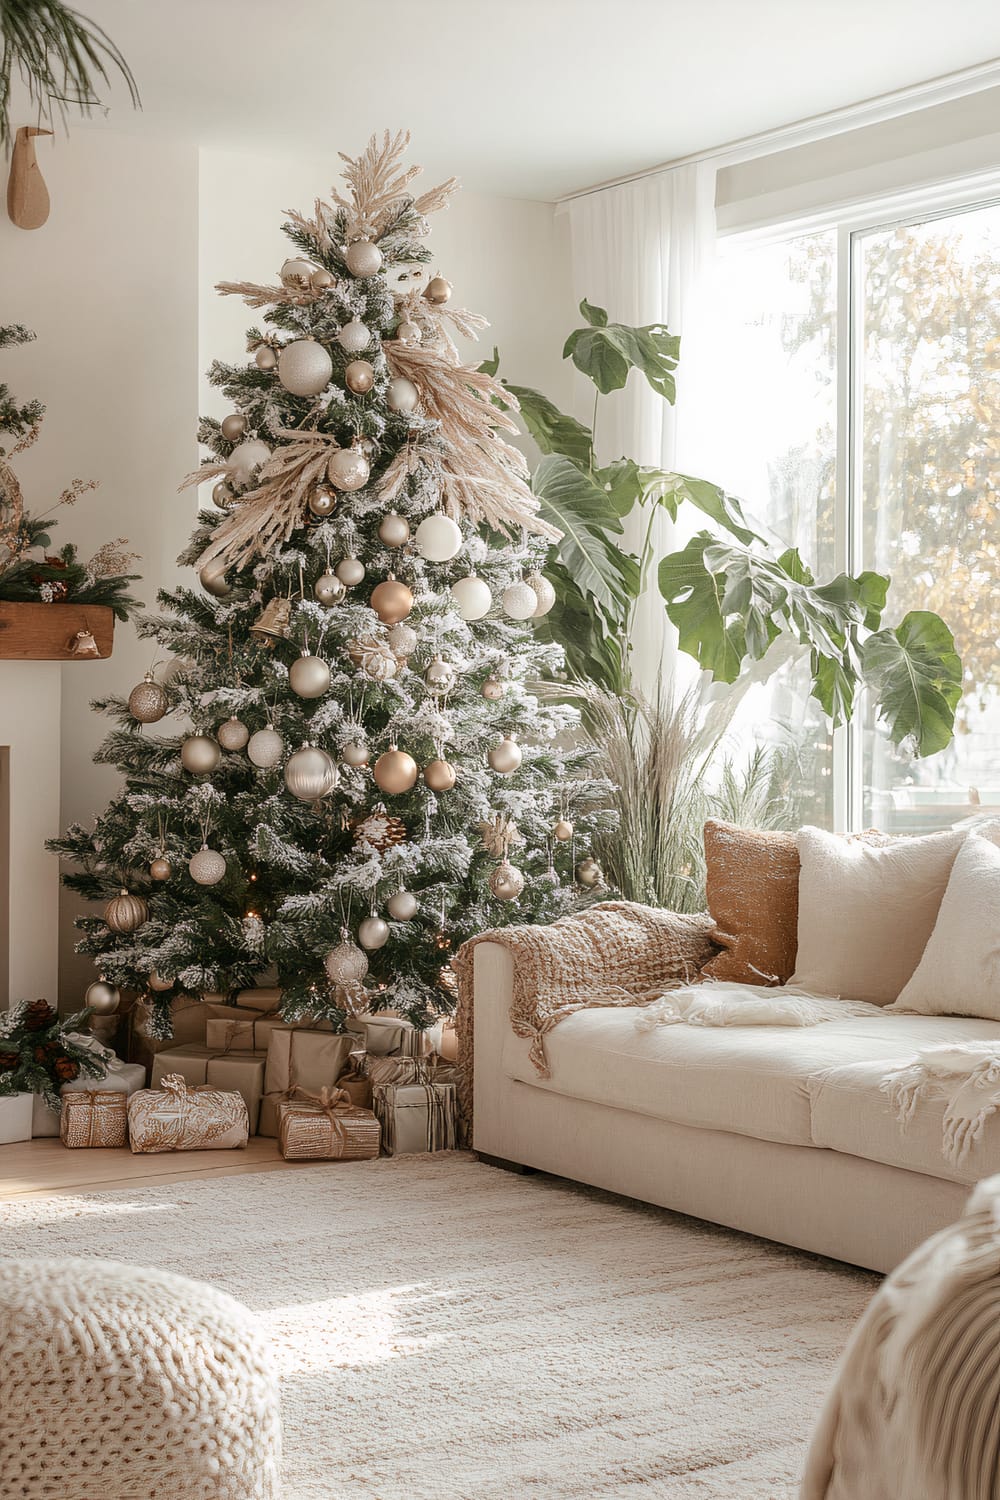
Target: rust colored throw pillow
column 752, row 883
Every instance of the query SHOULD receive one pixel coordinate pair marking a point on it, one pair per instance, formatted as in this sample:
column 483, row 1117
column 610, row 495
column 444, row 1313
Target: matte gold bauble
column 438, row 290
column 233, row 734
column 440, row 676
column 354, row 336
column 589, row 872
column 322, row 501
column 402, row 907
column 395, row 771
column 222, row 495
column 266, row 748
column 492, row 689
column 266, row 358
column 392, row 601
column 359, row 377
column 213, row 580
column 160, row 868
column 157, row 983
column 563, row 831
column 394, row 530
column 402, row 396
column 506, row 882
column 246, row 457
column 207, row 866
column 304, row 367
column 102, row 998
column 200, row 754
column 346, row 964
column 363, row 259
column 309, row 677
column 544, row 593
column 505, row 757
column 402, row 640
column 125, row 913
column 440, row 776
column 373, row 933
column 348, row 469
column 321, row 279
column 311, row 774
column 329, row 590
column 409, row 332
column 355, row 754
column 350, row 571
column 147, row 702
column 234, row 426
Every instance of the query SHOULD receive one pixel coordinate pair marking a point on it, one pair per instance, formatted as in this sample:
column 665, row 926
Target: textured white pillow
column 959, row 974
column 866, row 911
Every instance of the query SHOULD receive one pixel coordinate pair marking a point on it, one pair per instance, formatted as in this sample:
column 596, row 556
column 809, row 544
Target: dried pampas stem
column 266, row 296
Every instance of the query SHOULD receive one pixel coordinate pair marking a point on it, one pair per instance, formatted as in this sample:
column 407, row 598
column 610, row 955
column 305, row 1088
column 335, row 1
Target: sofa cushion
column 851, row 1114
column 752, row 890
column 958, row 972
column 752, row 1080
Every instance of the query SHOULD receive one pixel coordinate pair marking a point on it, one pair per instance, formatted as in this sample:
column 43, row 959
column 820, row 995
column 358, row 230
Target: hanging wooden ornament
column 27, row 195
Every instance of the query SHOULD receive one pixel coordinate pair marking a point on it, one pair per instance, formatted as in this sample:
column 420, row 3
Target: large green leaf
column 606, row 352
column 694, row 604
column 724, row 509
column 552, row 430
column 571, row 500
column 915, row 676
column 593, row 651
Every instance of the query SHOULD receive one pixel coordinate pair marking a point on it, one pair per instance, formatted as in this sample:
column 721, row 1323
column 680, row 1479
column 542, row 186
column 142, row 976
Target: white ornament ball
column 304, row 367
column 346, row 964
column 157, row 982
column 520, row 601
column 296, row 273
column 213, row 580
column 348, row 469
column 473, row 597
column 355, row 754
column 402, row 397
column 440, row 676
column 350, row 571
column 329, row 589
column 233, row 734
column 505, row 757
column 354, row 337
column 200, row 754
column 266, row 748
column 506, row 882
column 102, row 998
column 207, row 867
column 234, row 426
column 309, row 676
column 363, row 259
column 266, row 358
column 394, row 530
column 544, row 593
column 246, row 457
column 373, row 933
column 402, row 907
column 311, row 774
column 438, row 538
column 402, row 639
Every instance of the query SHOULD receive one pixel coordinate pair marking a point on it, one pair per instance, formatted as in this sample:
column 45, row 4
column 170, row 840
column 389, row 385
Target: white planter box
column 44, row 1121
column 15, row 1118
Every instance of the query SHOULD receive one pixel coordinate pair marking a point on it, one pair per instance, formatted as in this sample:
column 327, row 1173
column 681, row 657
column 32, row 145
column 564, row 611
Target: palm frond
column 60, row 56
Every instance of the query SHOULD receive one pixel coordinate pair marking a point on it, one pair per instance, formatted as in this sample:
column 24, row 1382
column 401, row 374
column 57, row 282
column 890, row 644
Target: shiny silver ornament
column 394, row 530
column 266, row 748
column 363, row 259
column 233, row 734
column 402, row 396
column 207, row 867
column 102, row 998
column 125, row 913
column 200, row 754
column 160, row 868
column 233, row 427
column 266, row 358
column 348, row 469
column 506, row 882
column 438, row 290
column 354, row 337
column 245, row 458
column 373, row 933
column 309, row 676
column 355, row 754
column 346, row 964
column 304, row 367
column 359, row 377
column 402, row 640
column 492, row 689
column 440, row 676
column 544, row 593
column 505, row 757
column 311, row 774
column 403, row 906
column 563, row 831
column 147, row 702
column 519, row 601
column 158, row 983
column 589, row 873
column 213, row 580
column 322, row 502
column 329, row 590
column 350, row 571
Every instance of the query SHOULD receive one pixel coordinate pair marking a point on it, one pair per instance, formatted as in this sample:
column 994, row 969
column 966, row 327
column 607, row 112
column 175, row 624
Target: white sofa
column 781, row 1132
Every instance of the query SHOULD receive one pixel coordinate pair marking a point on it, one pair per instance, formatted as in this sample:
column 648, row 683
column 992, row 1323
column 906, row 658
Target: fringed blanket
column 966, row 1075
column 724, row 1004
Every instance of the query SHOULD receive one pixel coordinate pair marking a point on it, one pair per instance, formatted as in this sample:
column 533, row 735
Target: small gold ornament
column 222, row 496
column 354, row 337
column 273, row 623
column 378, row 829
column 213, row 580
column 233, row 734
column 160, row 868
column 83, row 644
column 506, row 882
column 374, row 657
column 440, row 776
column 402, row 396
column 563, row 831
column 125, row 913
column 373, row 933
column 363, row 259
column 350, row 571
column 402, row 639
column 394, row 530
column 322, row 502
column 392, row 601
column 296, row 274
column 506, row 757
column 233, row 427
column 309, row 676
column 102, row 998
column 147, row 702
column 359, row 377
column 321, row 279
column 348, row 469
column 438, row 290
column 492, row 689
column 329, row 590
column 200, row 754
column 266, row 358
column 589, row 873
column 395, row 771
column 440, row 676
column 402, row 907
column 355, row 754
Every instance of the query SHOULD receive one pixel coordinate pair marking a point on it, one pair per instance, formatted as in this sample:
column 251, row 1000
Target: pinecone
column 66, row 1069
column 9, row 1060
column 38, row 1015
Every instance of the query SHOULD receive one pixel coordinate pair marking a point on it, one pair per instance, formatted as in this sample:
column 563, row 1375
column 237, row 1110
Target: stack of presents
column 232, row 1071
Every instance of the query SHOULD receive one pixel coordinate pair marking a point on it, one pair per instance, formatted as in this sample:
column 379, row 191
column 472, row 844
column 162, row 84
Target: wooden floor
column 44, row 1168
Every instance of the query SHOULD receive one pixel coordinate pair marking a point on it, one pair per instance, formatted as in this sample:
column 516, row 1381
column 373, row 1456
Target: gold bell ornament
column 273, row 623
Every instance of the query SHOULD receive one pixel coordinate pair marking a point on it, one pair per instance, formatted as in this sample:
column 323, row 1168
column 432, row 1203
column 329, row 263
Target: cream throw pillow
column 959, row 974
column 866, row 912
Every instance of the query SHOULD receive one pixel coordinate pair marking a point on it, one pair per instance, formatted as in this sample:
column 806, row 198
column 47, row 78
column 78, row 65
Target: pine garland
column 38, row 1053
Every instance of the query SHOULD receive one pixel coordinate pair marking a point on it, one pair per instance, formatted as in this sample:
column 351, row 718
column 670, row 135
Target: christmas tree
column 370, row 776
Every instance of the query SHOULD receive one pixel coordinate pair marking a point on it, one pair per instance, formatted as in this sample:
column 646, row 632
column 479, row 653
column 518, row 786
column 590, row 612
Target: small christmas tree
column 370, row 778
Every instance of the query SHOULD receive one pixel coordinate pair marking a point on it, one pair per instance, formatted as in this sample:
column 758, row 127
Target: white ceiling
column 532, row 98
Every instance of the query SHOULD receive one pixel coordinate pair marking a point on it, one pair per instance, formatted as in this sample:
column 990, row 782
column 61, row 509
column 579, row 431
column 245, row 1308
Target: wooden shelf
column 47, row 632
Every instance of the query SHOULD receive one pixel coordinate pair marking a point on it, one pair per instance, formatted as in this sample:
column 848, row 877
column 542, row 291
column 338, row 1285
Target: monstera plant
column 730, row 593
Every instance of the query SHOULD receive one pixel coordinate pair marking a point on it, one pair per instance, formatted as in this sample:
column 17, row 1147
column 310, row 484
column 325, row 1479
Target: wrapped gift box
column 356, row 1084
column 122, row 1077
column 389, row 1036
column 15, row 1118
column 180, row 1118
column 300, row 1059
column 239, row 1071
column 416, row 1117
column 236, row 1026
column 327, row 1127
column 94, row 1117
column 398, row 1069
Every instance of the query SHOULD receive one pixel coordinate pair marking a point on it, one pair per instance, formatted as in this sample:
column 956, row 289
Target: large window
column 859, row 417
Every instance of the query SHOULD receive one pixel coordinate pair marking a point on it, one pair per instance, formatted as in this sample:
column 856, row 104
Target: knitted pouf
column 120, row 1383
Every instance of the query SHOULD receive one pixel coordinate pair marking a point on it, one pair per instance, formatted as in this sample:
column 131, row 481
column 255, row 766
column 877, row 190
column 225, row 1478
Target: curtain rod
column 940, row 90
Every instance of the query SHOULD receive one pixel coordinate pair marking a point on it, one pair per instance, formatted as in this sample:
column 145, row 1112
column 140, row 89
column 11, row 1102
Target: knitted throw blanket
column 966, row 1075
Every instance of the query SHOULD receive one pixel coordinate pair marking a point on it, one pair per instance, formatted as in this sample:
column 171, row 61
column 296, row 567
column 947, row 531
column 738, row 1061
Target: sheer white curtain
column 642, row 251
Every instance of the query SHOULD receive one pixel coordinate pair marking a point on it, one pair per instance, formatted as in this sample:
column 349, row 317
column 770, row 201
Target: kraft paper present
column 180, row 1118
column 187, row 1017
column 301, row 1059
column 416, row 1117
column 94, row 1117
column 398, row 1069
column 389, row 1036
column 357, row 1087
column 240, row 1072
column 326, row 1126
column 238, row 1026
column 15, row 1118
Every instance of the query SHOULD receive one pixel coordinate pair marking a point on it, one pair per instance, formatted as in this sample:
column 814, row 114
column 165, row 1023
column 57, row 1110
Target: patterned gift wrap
column 94, row 1117
column 178, row 1118
column 416, row 1117
column 326, row 1127
column 398, row 1069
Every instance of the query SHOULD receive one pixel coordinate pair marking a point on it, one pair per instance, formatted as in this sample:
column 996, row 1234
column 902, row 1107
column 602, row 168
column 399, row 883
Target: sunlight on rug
column 446, row 1331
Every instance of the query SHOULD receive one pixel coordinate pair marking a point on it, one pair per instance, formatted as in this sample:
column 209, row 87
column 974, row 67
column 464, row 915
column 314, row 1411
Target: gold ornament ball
column 408, row 332
column 304, row 367
column 359, row 377
column 350, row 571
column 266, row 748
column 296, row 273
column 373, row 933
column 402, row 907
column 395, row 771
column 348, row 469
column 157, row 983
column 322, row 501
column 440, row 676
column 234, row 426
column 213, row 580
column 394, row 530
column 440, row 776
column 266, row 358
column 200, row 754
column 346, row 964
column 492, row 689
column 355, row 754
column 506, row 882
column 125, row 913
column 309, row 676
column 392, row 601
column 233, row 734
column 402, row 640
column 505, row 757
column 222, row 495
column 354, row 336
column 160, row 868
column 363, row 259
column 563, row 831
column 544, row 593
column 246, row 457
column 207, row 867
column 589, row 872
column 102, row 998
column 311, row 774
column 402, row 397
column 321, row 280
column 438, row 290
column 147, row 702
column 329, row 590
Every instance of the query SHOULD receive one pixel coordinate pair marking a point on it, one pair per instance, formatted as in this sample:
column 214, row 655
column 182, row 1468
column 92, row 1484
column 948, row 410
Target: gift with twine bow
column 324, row 1125
column 94, row 1117
column 178, row 1118
column 298, row 1060
column 416, row 1117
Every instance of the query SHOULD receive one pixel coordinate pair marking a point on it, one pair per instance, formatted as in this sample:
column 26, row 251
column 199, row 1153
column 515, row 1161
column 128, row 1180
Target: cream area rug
column 448, row 1331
